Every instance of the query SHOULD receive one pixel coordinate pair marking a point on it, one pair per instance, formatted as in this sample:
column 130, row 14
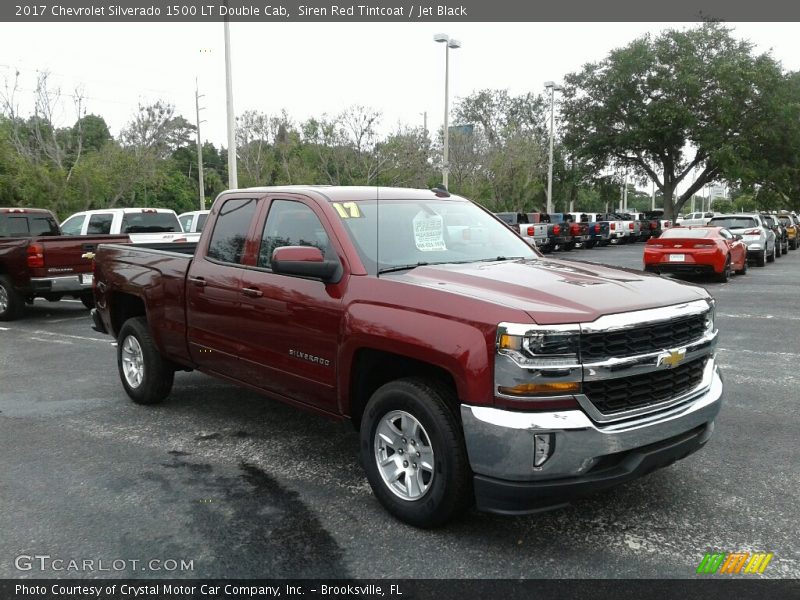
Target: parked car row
column 567, row 231
column 723, row 246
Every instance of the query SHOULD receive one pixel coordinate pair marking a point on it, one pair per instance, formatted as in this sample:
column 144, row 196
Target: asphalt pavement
column 240, row 486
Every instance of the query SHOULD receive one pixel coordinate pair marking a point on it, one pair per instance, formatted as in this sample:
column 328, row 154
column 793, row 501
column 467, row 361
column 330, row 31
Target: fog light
column 543, row 446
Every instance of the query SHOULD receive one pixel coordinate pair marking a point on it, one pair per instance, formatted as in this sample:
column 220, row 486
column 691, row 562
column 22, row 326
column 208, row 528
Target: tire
column 569, row 246
column 146, row 376
column 726, row 271
column 773, row 256
column 590, row 244
column 11, row 303
column 88, row 300
column 761, row 259
column 793, row 244
column 441, row 490
column 743, row 270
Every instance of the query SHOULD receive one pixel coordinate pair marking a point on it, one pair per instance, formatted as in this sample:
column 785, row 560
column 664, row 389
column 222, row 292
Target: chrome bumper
column 66, row 284
column 500, row 443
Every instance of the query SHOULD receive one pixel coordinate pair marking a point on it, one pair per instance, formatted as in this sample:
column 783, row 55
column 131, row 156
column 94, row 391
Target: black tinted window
column 733, row 222
column 150, row 222
column 99, row 224
column 201, row 221
column 290, row 224
column 230, row 230
column 16, row 225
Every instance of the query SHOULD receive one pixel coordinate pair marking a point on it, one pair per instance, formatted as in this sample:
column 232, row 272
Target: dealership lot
column 246, row 487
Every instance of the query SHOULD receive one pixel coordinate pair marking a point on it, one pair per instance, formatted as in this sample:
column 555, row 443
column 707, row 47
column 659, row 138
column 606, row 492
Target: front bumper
column 586, row 456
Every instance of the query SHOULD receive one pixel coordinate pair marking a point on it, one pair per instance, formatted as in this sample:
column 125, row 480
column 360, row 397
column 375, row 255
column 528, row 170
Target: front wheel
column 413, row 452
column 146, row 376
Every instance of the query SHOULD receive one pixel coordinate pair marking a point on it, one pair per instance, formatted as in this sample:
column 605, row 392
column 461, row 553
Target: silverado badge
column 671, row 358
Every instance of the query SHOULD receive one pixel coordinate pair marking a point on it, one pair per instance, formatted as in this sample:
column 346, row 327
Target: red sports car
column 696, row 250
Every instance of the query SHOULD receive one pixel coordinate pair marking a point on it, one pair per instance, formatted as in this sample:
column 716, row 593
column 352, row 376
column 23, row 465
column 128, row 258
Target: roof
column 335, row 193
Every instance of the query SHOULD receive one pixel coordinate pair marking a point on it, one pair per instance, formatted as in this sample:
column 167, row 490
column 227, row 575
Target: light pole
column 553, row 89
column 448, row 43
column 233, row 179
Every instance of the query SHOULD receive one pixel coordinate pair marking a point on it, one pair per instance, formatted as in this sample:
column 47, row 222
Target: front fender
column 460, row 348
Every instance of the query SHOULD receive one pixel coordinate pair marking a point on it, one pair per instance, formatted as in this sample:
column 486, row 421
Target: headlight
column 540, row 347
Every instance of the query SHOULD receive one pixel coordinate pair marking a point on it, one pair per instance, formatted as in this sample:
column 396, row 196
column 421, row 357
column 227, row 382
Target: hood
column 554, row 291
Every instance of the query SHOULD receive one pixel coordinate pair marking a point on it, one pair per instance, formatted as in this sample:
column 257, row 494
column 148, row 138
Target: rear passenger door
column 290, row 344
column 214, row 290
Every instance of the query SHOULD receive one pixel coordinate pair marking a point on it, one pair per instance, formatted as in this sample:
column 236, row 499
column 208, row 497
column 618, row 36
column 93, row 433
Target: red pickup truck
column 36, row 261
column 476, row 370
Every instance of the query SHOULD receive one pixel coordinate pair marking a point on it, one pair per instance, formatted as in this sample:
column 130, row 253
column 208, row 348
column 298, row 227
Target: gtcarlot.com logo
column 45, row 562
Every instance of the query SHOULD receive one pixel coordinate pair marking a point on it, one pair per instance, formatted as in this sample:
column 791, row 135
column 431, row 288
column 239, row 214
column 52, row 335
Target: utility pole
column 200, row 183
column 653, row 197
column 425, row 122
column 233, row 180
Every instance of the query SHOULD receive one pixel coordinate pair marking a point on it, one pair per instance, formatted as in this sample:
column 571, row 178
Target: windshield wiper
column 402, row 268
column 500, row 258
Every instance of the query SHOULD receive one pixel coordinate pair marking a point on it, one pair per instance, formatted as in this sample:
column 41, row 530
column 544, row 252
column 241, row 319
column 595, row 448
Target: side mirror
column 305, row 261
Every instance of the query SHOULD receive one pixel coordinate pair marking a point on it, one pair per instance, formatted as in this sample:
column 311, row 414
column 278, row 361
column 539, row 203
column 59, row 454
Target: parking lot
column 249, row 488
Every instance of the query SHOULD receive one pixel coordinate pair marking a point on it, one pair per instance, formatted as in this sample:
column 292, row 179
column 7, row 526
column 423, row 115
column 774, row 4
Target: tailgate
column 63, row 255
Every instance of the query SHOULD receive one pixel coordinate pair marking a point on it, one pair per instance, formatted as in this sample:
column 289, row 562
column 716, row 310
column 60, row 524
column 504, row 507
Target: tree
column 665, row 106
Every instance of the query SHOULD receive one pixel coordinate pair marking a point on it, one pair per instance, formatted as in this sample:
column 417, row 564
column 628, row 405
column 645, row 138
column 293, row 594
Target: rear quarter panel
column 156, row 277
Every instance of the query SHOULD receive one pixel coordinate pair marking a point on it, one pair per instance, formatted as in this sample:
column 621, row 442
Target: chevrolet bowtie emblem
column 672, row 358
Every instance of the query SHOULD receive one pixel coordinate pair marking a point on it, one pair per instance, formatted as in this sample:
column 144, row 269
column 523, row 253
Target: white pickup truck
column 142, row 225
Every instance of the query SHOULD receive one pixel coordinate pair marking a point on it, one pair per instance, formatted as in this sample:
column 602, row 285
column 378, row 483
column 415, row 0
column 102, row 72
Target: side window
column 100, row 224
column 186, row 222
column 291, row 224
column 72, row 226
column 230, row 230
column 201, row 221
column 726, row 234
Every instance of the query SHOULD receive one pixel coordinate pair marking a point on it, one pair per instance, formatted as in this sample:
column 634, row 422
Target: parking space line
column 785, row 318
column 4, row 329
column 74, row 337
column 759, row 352
column 83, row 318
column 51, row 341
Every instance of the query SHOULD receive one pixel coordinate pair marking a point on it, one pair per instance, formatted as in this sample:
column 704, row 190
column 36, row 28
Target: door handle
column 252, row 292
column 198, row 281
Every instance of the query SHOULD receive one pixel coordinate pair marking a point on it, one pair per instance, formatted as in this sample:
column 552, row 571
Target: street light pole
column 233, row 180
column 449, row 43
column 553, row 89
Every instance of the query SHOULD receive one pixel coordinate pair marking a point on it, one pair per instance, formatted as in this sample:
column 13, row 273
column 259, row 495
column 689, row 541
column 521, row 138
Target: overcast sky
column 315, row 68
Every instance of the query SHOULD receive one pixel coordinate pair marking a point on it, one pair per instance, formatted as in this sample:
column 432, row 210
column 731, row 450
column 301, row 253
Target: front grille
column 611, row 396
column 643, row 339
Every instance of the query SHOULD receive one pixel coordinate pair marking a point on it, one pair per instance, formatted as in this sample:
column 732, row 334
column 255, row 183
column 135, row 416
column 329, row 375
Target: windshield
column 427, row 232
column 150, row 222
column 733, row 222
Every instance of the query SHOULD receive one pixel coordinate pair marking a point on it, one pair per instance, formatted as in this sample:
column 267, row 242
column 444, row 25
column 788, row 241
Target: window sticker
column 429, row 232
column 348, row 210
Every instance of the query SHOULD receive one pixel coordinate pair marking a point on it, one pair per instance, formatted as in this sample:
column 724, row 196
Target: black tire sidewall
column 14, row 300
column 439, row 503
column 157, row 377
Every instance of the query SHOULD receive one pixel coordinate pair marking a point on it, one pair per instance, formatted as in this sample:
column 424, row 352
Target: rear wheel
column 146, row 376
column 11, row 302
column 743, row 270
column 761, row 259
column 773, row 256
column 413, row 452
column 726, row 271
column 88, row 300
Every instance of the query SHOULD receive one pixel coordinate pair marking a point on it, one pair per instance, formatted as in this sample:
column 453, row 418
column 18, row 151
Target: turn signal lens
column 537, row 389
